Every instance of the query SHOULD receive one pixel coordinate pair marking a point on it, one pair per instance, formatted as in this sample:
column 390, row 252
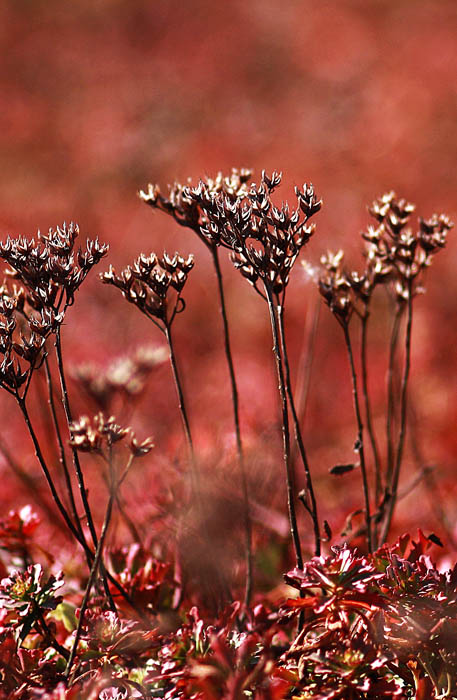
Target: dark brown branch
column 403, row 416
column 285, row 429
column 236, row 418
column 360, row 448
column 298, row 435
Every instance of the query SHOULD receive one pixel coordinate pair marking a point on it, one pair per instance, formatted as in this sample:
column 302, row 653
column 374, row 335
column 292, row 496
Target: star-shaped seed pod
column 154, row 285
column 264, row 239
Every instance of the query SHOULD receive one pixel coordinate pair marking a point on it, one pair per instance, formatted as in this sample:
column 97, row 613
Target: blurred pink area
column 100, row 98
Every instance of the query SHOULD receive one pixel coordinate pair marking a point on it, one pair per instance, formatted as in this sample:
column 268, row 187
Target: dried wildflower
column 34, row 309
column 138, row 449
column 98, row 436
column 184, row 205
column 397, row 253
column 336, row 287
column 92, row 436
column 125, row 376
column 265, row 240
column 154, row 285
column 185, row 208
column 50, row 268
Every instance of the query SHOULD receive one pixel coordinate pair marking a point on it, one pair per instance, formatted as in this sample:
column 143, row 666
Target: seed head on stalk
column 265, row 241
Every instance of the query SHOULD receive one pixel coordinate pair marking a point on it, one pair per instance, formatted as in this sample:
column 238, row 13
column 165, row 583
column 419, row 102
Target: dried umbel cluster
column 185, row 209
column 154, row 285
column 265, row 240
column 50, row 269
column 396, row 256
column 22, row 337
column 124, row 377
column 100, row 434
column 48, row 273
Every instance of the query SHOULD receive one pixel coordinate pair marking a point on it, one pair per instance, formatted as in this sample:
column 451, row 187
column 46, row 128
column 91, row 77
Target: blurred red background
column 100, row 97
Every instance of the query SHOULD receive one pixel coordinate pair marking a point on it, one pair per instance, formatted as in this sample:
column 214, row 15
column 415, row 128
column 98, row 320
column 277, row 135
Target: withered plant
column 40, row 285
column 102, row 437
column 396, row 259
column 186, row 210
column 265, row 241
column 154, row 285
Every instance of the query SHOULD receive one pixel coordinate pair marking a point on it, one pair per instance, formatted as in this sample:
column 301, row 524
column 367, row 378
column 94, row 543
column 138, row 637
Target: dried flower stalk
column 154, row 285
column 264, row 242
column 187, row 211
column 396, row 258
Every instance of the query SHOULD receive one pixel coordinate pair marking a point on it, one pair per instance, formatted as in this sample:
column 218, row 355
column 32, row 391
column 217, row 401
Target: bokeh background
column 100, row 97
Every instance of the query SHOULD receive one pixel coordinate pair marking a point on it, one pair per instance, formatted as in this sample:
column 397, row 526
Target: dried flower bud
column 153, row 284
column 139, row 449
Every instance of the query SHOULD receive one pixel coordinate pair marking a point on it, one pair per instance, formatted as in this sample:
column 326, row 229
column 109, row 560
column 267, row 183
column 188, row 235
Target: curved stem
column 403, row 415
column 368, row 416
column 88, row 552
column 298, row 435
column 236, row 417
column 285, row 429
column 360, row 441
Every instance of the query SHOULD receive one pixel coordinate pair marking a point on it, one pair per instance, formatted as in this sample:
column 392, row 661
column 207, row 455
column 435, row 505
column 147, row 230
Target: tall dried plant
column 187, row 212
column 396, row 259
column 265, row 241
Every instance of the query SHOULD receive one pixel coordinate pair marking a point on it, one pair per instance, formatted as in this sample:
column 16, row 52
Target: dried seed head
column 265, row 239
column 153, row 284
column 336, row 287
column 125, row 377
column 47, row 267
column 139, row 449
column 183, row 202
column 395, row 256
column 93, row 436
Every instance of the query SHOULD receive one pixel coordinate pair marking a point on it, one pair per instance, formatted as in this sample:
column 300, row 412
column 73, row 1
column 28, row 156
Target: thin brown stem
column 63, row 511
column 236, row 418
column 360, row 439
column 182, row 409
column 76, row 462
column 391, row 393
column 285, row 429
column 367, row 402
column 50, row 637
column 312, row 508
column 93, row 572
column 368, row 414
column 62, row 456
column 403, row 415
column 68, row 521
